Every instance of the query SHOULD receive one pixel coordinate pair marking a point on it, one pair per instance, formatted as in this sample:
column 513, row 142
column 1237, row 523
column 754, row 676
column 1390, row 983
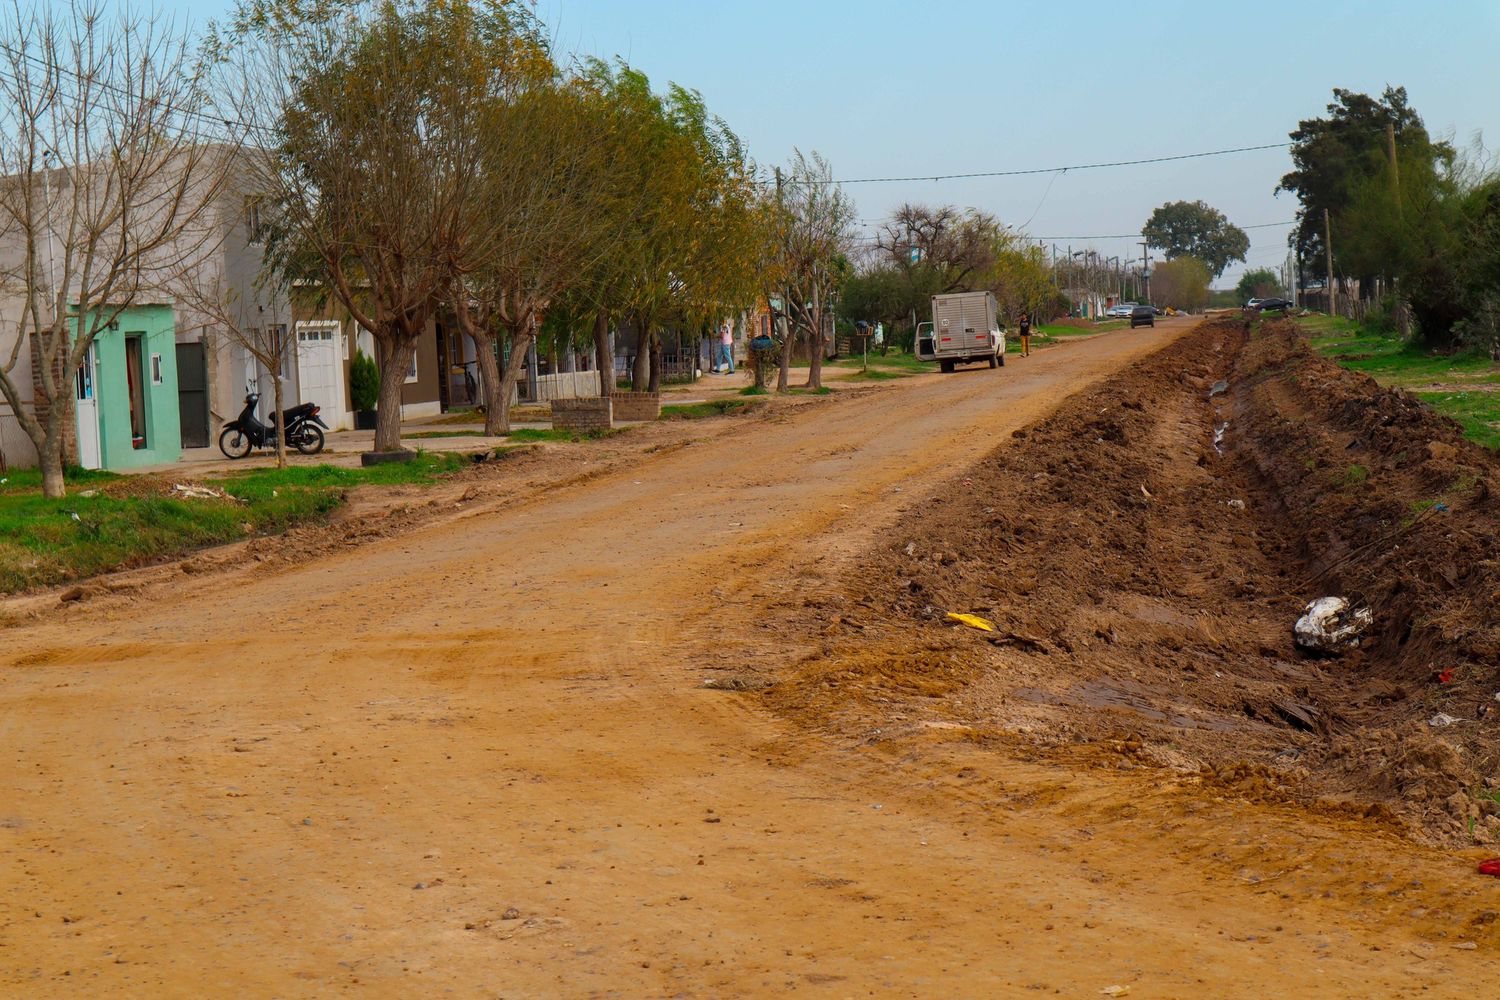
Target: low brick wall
column 637, row 405
column 583, row 415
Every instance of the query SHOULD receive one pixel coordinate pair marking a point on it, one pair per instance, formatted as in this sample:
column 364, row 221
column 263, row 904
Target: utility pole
column 1390, row 147
column 1145, row 274
column 1328, row 251
column 1402, row 323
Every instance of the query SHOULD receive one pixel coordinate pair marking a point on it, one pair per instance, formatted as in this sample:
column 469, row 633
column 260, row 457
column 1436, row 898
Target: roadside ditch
column 1142, row 555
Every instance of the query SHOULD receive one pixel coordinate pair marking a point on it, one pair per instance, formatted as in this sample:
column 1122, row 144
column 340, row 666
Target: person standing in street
column 726, row 348
column 1025, row 324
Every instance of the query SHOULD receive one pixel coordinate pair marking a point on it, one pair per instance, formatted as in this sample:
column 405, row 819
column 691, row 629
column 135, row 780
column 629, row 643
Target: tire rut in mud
column 1143, row 553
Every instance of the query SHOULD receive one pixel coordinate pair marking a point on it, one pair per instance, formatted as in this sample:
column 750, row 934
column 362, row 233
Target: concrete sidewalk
column 343, row 448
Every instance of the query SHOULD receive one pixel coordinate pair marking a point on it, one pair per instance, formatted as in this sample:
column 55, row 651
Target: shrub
column 364, row 381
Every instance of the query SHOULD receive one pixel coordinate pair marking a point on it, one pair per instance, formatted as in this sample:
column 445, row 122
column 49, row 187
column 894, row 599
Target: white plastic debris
column 191, row 492
column 1442, row 720
column 1332, row 625
column 1236, row 504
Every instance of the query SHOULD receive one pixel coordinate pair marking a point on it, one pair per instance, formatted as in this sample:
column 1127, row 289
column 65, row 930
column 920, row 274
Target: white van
column 963, row 330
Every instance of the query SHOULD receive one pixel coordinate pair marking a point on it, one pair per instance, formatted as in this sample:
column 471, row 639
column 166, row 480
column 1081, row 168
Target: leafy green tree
column 368, row 115
column 1334, row 158
column 880, row 292
column 1022, row 282
column 1258, row 284
column 1181, row 283
column 538, row 220
column 687, row 197
column 1196, row 229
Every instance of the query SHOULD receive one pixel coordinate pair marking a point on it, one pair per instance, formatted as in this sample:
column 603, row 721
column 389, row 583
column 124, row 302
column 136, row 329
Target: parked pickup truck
column 963, row 330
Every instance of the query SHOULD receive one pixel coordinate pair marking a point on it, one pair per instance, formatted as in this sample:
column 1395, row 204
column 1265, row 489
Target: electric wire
column 1048, row 170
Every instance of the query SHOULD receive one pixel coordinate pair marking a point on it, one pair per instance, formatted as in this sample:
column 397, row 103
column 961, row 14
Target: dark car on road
column 1142, row 316
column 1271, row 305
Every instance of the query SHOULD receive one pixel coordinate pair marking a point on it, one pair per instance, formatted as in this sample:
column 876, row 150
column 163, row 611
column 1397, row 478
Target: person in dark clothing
column 1025, row 325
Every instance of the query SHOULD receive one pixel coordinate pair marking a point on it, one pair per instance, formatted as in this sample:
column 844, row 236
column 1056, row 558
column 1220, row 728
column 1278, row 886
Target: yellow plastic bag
column 973, row 621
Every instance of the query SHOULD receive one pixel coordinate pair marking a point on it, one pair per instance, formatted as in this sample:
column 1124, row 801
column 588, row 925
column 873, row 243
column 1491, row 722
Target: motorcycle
column 304, row 430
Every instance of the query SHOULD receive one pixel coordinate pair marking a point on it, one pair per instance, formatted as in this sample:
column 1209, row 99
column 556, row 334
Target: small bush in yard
column 364, row 381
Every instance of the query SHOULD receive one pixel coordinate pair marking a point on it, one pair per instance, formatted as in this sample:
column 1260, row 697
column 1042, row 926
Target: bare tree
column 107, row 193
column 817, row 237
column 266, row 337
column 955, row 247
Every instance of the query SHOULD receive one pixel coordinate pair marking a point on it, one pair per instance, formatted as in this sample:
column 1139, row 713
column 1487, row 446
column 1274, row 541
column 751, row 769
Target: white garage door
column 318, row 370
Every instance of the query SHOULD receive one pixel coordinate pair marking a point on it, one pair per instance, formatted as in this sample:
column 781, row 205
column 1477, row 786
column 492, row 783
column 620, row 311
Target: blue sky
column 948, row 86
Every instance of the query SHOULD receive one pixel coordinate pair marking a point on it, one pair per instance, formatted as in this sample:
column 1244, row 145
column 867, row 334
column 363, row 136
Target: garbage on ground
column 973, row 621
column 1332, row 625
column 1442, row 720
column 1236, row 504
column 89, row 493
column 191, row 492
column 1218, row 387
column 1490, row 867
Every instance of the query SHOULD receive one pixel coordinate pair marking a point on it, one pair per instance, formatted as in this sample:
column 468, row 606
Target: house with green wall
column 127, row 394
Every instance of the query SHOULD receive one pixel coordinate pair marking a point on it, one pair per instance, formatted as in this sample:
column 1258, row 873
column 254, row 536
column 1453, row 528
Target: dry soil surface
column 477, row 757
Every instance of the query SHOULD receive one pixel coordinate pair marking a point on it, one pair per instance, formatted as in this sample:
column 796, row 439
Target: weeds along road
column 477, row 760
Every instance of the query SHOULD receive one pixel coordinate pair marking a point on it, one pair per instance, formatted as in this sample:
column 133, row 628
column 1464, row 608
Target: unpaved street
column 477, row 759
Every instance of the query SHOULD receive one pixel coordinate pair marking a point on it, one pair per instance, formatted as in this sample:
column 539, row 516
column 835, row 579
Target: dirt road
column 478, row 760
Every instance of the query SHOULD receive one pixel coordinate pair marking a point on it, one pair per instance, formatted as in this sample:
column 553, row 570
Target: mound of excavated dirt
column 1144, row 553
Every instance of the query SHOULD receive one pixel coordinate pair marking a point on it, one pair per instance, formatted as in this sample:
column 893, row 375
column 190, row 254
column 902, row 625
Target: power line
column 1049, row 170
column 1110, row 236
column 1131, row 236
column 193, row 113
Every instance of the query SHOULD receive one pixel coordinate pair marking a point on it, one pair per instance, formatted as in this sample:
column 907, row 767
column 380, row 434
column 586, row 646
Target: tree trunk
column 49, row 450
column 815, row 360
column 520, row 346
column 784, row 369
column 654, row 384
column 395, row 361
column 496, row 393
column 49, row 457
column 815, row 342
column 642, row 370
column 280, row 407
column 602, row 356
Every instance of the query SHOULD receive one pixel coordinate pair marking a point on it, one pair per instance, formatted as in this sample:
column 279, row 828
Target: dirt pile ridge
column 1144, row 553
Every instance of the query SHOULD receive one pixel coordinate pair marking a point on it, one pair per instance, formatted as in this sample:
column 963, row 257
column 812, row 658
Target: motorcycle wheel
column 234, row 443
column 310, row 441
